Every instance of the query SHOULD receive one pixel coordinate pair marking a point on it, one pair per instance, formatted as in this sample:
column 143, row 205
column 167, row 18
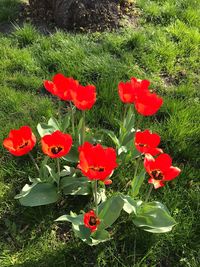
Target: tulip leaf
column 154, row 217
column 130, row 205
column 100, row 236
column 112, row 136
column 67, row 171
column 75, row 186
column 72, row 156
column 52, row 174
column 44, row 129
column 66, row 122
column 110, row 210
column 38, row 194
column 54, row 123
column 137, row 183
column 73, row 218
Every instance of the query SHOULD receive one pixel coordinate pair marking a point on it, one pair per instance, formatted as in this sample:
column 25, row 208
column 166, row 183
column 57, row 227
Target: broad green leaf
column 44, row 174
column 66, row 122
column 26, row 190
column 72, row 156
column 129, row 121
column 73, row 218
column 129, row 136
column 54, row 123
column 53, row 175
column 67, row 171
column 112, row 136
column 75, row 186
column 154, row 217
column 130, row 205
column 100, row 236
column 44, row 129
column 82, row 232
column 39, row 194
column 137, row 182
column 110, row 210
column 79, row 130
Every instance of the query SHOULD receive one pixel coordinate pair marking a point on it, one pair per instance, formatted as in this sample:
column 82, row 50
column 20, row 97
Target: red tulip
column 147, row 142
column 61, row 86
column 20, row 142
column 148, row 103
column 91, row 220
column 160, row 169
column 57, row 144
column 96, row 162
column 129, row 91
column 84, row 97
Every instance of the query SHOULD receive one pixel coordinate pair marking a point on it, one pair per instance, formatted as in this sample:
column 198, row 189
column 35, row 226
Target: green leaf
column 72, row 156
column 67, row 171
column 100, row 236
column 154, row 217
column 112, row 136
column 137, row 182
column 44, row 174
column 75, row 186
column 53, row 175
column 73, row 218
column 38, row 194
column 80, row 130
column 129, row 120
column 130, row 205
column 54, row 123
column 66, row 122
column 44, row 129
column 110, row 210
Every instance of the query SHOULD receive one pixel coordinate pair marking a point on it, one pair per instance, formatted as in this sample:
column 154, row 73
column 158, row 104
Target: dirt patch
column 82, row 15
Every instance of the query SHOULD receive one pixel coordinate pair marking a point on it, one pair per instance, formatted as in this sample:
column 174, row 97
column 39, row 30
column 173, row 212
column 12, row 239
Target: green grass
column 165, row 49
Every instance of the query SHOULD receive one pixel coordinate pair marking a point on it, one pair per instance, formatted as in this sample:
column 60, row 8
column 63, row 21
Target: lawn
column 164, row 48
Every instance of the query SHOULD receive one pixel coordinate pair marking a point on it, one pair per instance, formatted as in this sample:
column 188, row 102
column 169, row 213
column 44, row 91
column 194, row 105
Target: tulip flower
column 96, row 162
column 57, row 144
column 147, row 142
column 148, row 103
column 129, row 91
column 160, row 169
column 20, row 142
column 84, row 97
column 91, row 221
column 61, row 86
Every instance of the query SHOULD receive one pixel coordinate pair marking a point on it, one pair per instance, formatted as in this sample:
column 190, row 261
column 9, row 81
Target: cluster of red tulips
column 95, row 161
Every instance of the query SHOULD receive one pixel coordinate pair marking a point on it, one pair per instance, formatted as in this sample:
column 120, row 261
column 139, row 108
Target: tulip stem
column 140, row 118
column 34, row 162
column 58, row 166
column 95, row 197
column 125, row 112
column 59, row 110
column 149, row 193
column 72, row 116
column 83, row 128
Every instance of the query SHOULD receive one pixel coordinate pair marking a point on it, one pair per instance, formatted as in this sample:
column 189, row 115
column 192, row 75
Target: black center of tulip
column 24, row 144
column 98, row 169
column 92, row 221
column 157, row 174
column 56, row 149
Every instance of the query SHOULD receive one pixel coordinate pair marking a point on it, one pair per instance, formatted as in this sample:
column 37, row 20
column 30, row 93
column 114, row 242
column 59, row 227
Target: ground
column 164, row 48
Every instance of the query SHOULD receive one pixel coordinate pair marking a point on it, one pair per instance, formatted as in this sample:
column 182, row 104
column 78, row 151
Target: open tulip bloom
column 76, row 161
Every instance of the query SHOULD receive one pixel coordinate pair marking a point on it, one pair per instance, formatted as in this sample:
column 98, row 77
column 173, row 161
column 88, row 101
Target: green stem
column 59, row 110
column 72, row 116
column 140, row 118
column 58, row 167
column 34, row 162
column 125, row 112
column 95, row 197
column 83, row 128
column 149, row 193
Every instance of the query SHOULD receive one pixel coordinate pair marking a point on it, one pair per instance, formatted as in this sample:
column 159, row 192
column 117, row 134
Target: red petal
column 163, row 162
column 172, row 173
